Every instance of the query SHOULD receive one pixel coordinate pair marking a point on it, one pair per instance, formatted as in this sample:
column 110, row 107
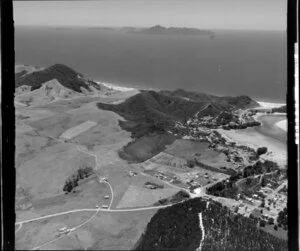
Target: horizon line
column 142, row 27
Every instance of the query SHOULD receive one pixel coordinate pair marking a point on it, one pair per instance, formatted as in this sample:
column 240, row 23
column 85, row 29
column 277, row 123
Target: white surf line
column 202, row 229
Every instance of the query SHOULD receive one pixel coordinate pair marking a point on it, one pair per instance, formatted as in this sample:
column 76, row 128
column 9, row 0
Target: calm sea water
column 233, row 63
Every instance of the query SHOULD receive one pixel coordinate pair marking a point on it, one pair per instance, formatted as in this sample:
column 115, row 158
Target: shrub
column 261, row 150
column 271, row 221
column 262, row 223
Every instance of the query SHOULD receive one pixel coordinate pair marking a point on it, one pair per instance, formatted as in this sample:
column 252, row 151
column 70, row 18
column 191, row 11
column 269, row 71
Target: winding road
column 20, row 223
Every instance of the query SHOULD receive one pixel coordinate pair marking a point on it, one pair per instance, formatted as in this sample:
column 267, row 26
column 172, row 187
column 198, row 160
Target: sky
column 202, row 14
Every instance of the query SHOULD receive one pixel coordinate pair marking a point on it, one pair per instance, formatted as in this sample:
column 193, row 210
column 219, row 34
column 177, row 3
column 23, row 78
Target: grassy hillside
column 65, row 75
column 239, row 102
column 178, row 228
column 150, row 111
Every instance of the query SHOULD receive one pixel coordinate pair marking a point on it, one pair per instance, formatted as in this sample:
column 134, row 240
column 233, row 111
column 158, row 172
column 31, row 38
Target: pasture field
column 90, row 194
column 74, row 131
column 188, row 150
column 117, row 174
column 164, row 159
column 146, row 147
column 143, row 197
column 36, row 233
column 108, row 231
column 40, row 182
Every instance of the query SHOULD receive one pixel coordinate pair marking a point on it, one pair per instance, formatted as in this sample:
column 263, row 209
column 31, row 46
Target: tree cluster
column 261, row 150
column 282, row 218
column 72, row 181
column 260, row 167
column 177, row 228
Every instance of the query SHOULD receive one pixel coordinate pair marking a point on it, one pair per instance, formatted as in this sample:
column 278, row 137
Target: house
column 62, row 229
column 105, row 206
column 106, row 196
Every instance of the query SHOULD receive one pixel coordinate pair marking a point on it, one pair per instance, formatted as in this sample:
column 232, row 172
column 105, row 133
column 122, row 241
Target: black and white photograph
column 151, row 125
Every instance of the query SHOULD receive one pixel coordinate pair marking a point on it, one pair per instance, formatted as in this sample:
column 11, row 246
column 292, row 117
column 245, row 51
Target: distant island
column 160, row 30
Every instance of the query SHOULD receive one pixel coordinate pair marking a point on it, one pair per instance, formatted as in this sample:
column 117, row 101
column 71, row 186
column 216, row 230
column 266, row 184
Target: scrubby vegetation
column 146, row 147
column 282, row 219
column 154, row 185
column 281, row 109
column 151, row 111
column 65, row 75
column 244, row 182
column 72, row 181
column 180, row 196
column 260, row 167
column 261, row 150
column 178, row 228
column 239, row 102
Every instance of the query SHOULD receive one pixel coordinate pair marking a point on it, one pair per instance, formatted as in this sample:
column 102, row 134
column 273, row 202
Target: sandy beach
column 116, row 87
column 269, row 104
column 282, row 125
column 268, row 135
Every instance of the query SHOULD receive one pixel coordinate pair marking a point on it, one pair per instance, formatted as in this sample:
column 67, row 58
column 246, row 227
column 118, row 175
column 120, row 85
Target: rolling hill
column 66, row 76
column 239, row 102
column 151, row 111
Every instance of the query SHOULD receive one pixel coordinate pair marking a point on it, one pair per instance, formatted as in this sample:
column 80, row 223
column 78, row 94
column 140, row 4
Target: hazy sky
column 206, row 14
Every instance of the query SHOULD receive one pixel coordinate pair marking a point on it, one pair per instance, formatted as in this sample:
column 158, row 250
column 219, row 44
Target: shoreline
column 118, row 87
column 270, row 105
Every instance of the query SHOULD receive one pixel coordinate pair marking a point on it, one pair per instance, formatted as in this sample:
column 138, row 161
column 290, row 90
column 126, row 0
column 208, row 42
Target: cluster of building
column 104, row 206
column 132, row 173
column 165, row 177
column 63, row 231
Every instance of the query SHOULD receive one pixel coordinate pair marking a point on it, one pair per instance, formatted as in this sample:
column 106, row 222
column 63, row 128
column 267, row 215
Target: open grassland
column 164, row 159
column 46, row 173
column 191, row 150
column 74, row 131
column 118, row 176
column 29, row 145
column 90, row 193
column 146, row 147
column 108, row 231
column 32, row 114
column 142, row 197
column 36, row 233
column 40, row 181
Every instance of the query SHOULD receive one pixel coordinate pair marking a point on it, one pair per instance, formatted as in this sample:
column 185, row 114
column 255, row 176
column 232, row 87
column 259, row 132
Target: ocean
column 232, row 63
